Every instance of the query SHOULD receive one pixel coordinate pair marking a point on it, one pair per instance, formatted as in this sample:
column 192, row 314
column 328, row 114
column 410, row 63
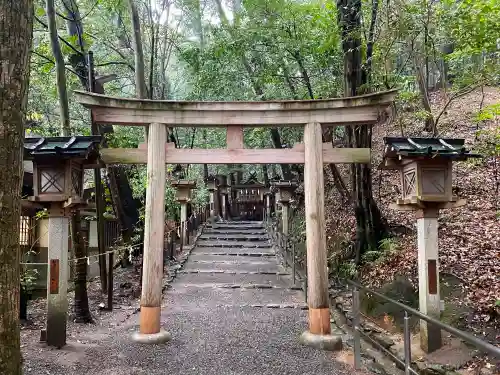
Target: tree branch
column 59, row 37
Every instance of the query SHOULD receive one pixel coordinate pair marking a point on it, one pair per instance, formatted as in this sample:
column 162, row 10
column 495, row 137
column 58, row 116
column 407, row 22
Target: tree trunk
column 129, row 215
column 424, row 92
column 81, row 307
column 140, row 76
column 62, row 90
column 81, row 298
column 370, row 226
column 16, row 28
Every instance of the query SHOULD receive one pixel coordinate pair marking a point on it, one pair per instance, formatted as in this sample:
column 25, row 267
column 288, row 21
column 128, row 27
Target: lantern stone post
column 267, row 197
column 264, row 191
column 212, row 187
column 183, row 195
column 58, row 168
column 283, row 196
column 425, row 166
column 224, row 192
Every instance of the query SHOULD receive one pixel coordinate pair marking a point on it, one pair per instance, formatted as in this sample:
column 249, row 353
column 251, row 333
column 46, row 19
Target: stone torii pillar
column 183, row 195
column 224, row 192
column 284, row 195
column 425, row 166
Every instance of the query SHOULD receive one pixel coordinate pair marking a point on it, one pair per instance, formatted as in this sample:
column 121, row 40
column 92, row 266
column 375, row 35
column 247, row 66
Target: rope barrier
column 116, row 250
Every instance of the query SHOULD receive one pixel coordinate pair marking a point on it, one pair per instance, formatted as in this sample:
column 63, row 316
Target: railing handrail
column 485, row 346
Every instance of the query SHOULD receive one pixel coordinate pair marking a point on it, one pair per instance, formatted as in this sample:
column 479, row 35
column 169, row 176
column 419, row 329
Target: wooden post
column 317, row 272
column 319, row 334
column 184, row 222
column 110, row 280
column 154, row 228
column 57, row 280
column 428, row 277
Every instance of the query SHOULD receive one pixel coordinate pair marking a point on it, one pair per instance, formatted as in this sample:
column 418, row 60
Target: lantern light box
column 425, row 166
column 58, row 167
column 184, row 187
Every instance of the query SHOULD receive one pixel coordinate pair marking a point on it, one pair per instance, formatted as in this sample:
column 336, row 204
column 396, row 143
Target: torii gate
column 313, row 153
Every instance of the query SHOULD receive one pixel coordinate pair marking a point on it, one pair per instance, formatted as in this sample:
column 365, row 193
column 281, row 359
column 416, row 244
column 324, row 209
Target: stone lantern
column 58, row 166
column 284, row 191
column 425, row 167
column 183, row 196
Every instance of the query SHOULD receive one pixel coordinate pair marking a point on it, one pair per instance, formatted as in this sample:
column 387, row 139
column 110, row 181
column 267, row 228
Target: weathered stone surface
column 383, row 340
column 323, row 342
column 155, row 338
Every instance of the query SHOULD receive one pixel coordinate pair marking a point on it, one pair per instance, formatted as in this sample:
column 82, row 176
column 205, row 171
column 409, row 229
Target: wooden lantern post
column 425, row 166
column 285, row 190
column 58, row 167
column 183, row 195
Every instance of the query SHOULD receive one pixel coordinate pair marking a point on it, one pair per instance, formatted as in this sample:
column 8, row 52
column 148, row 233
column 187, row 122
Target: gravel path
column 232, row 321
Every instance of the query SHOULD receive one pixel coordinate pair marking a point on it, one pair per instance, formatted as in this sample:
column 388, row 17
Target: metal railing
column 406, row 364
column 184, row 232
column 286, row 245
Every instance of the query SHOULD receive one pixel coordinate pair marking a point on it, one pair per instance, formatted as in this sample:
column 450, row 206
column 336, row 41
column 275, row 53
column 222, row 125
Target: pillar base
column 151, row 338
column 324, row 342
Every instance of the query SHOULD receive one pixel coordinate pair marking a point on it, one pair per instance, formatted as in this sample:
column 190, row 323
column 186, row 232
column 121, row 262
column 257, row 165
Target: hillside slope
column 469, row 237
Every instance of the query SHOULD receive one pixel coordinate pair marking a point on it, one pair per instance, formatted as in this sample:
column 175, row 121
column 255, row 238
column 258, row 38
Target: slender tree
column 370, row 226
column 81, row 307
column 62, row 90
column 16, row 27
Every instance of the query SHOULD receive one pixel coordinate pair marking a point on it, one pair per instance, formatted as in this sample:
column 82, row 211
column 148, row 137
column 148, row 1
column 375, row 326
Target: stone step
column 236, row 225
column 283, row 281
column 232, row 272
column 231, row 259
column 240, row 252
column 233, row 244
column 233, row 237
column 255, row 231
column 269, row 267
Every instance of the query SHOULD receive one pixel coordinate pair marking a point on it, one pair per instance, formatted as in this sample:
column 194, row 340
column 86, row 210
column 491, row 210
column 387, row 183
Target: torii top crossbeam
column 340, row 111
column 360, row 110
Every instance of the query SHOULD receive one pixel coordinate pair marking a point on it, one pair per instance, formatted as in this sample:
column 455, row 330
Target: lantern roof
column 184, row 183
column 284, row 184
column 252, row 182
column 75, row 147
column 399, row 148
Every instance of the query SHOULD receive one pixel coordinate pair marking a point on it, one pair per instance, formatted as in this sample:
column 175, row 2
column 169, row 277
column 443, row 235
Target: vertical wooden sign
column 54, row 276
column 432, row 276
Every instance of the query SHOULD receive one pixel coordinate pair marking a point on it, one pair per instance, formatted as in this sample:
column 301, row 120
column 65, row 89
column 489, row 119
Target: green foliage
column 488, row 113
column 28, row 279
column 387, row 248
column 346, row 270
